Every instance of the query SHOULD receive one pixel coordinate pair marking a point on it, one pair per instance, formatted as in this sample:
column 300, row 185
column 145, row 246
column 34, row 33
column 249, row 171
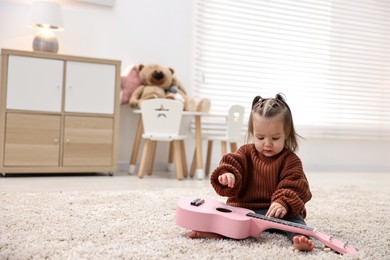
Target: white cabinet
column 58, row 113
column 34, row 83
column 90, row 87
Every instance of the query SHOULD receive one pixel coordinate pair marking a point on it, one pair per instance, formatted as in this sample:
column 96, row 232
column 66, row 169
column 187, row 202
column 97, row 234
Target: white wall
column 160, row 31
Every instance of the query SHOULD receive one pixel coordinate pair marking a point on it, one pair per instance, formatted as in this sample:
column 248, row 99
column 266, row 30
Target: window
column 330, row 58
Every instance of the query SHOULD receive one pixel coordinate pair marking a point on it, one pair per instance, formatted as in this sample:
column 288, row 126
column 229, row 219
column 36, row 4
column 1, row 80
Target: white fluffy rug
column 141, row 225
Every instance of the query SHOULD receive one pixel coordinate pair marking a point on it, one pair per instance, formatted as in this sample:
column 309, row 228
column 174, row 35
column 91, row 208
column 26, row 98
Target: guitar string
column 280, row 221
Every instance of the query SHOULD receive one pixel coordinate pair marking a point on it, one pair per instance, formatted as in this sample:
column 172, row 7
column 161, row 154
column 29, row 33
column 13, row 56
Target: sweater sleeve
column 234, row 163
column 293, row 189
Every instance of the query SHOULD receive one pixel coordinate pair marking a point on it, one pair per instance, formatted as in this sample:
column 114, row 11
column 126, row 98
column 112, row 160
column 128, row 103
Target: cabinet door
column 34, row 84
column 88, row 141
column 32, row 140
column 90, row 87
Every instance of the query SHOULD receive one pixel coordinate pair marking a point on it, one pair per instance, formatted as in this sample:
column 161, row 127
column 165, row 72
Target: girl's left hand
column 276, row 210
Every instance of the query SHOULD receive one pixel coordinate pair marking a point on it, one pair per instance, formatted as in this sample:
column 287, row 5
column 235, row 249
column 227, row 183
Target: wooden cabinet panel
column 32, row 140
column 88, row 141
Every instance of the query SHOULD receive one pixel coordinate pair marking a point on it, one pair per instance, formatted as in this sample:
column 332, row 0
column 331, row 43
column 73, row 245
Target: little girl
column 266, row 176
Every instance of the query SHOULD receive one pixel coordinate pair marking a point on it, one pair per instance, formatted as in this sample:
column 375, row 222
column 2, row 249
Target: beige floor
column 123, row 181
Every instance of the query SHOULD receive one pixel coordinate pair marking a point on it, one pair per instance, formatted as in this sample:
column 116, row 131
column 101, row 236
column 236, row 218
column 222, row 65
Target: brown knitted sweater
column 261, row 180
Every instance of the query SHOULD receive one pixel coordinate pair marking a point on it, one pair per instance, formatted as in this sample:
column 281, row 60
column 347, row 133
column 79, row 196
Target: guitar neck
column 265, row 223
column 280, row 221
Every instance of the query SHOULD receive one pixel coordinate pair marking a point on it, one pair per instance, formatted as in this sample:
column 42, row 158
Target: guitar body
column 209, row 215
column 214, row 216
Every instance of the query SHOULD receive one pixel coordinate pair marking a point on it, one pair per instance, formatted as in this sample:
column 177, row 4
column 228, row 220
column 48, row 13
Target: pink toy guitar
column 209, row 215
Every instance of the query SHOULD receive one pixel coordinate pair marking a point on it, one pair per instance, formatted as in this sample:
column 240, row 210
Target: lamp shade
column 46, row 14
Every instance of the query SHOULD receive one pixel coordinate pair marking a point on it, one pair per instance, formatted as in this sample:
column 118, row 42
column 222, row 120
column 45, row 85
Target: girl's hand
column 276, row 210
column 227, row 179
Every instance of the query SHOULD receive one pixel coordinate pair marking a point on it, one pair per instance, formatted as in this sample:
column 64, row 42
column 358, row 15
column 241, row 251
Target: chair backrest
column 161, row 118
column 235, row 122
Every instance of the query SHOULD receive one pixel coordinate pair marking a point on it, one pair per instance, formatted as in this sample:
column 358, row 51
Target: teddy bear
column 158, row 81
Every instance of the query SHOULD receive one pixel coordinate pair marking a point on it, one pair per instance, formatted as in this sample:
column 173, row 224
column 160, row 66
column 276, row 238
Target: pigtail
column 255, row 101
column 280, row 97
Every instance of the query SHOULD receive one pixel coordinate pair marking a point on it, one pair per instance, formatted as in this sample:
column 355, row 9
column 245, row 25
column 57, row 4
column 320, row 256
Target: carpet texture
column 140, row 225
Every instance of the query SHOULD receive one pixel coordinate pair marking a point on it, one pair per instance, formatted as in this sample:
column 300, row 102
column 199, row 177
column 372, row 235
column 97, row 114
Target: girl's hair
column 270, row 107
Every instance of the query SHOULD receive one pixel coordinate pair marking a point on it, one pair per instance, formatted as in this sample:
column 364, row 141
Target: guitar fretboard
column 279, row 221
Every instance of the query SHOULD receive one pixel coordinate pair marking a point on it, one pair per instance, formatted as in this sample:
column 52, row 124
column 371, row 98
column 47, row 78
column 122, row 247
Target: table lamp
column 46, row 16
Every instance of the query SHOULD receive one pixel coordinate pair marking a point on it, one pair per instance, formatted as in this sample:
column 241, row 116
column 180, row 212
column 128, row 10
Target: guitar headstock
column 335, row 244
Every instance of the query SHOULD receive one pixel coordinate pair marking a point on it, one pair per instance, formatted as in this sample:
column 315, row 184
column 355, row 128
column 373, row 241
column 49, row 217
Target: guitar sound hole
column 224, row 210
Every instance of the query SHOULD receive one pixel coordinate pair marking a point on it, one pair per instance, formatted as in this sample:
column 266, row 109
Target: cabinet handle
column 56, row 140
column 68, row 140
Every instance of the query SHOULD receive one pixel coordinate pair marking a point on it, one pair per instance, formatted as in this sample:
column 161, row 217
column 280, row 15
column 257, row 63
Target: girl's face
column 268, row 134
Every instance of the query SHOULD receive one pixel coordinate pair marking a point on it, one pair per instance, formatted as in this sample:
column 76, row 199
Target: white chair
column 232, row 137
column 161, row 122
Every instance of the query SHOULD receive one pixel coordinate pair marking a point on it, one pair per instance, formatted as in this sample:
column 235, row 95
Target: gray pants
column 296, row 219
